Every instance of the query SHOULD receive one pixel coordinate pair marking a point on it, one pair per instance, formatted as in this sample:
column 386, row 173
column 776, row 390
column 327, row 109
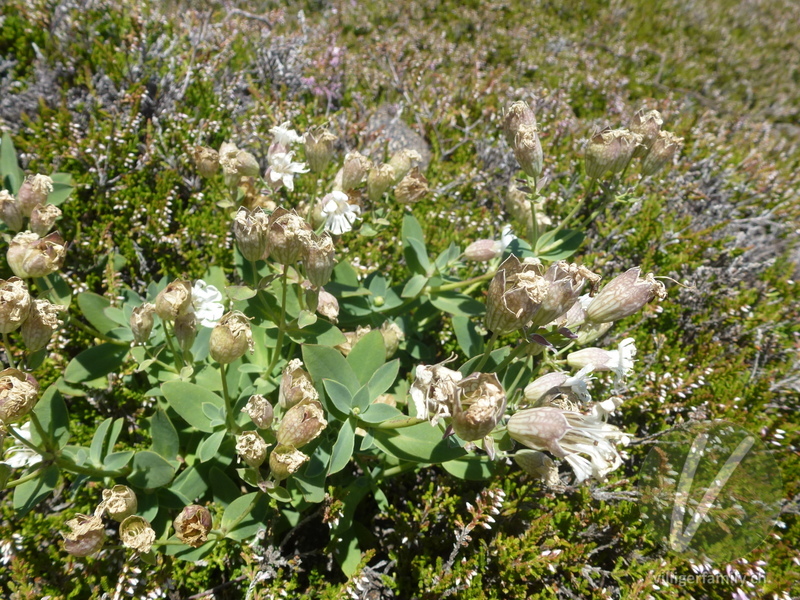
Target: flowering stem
column 9, row 356
column 68, row 465
column 487, row 351
column 574, row 211
column 454, row 285
column 281, row 324
column 93, row 332
column 24, row 478
column 177, row 357
column 534, row 231
column 514, row 354
column 230, row 421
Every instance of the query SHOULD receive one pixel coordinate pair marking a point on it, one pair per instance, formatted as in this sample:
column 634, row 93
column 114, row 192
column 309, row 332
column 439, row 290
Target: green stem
column 94, row 333
column 27, row 443
column 177, row 357
column 230, row 420
column 9, row 356
column 281, row 324
column 514, row 354
column 574, row 211
column 24, row 478
column 454, row 285
column 397, row 470
column 68, row 465
column 486, row 352
column 534, row 232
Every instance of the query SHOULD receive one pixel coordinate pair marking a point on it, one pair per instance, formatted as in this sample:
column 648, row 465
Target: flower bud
column 648, row 125
column 137, row 534
column 380, row 179
column 528, row 151
column 42, row 321
column 15, row 304
column 10, row 212
column 287, row 233
column 539, row 466
column 518, row 116
column 328, row 305
column 34, row 190
column 483, row 250
column 285, row 461
column 119, row 502
column 43, row 217
column 319, row 149
column 412, row 188
column 250, row 228
column 301, row 424
column 192, row 525
column 251, row 448
column 610, row 151
column 663, row 151
column 402, row 162
column 354, row 171
column 623, row 296
column 392, row 337
column 174, row 300
column 18, row 395
column 142, row 322
column 319, row 258
column 87, row 535
column 206, row 160
column 589, row 332
column 32, row 256
column 231, row 338
column 260, row 411
column 480, row 404
column 186, row 330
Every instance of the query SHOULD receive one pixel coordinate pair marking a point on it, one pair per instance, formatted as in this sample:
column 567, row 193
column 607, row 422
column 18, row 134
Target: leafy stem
column 454, row 285
column 281, row 323
column 230, row 421
column 487, row 352
column 9, row 356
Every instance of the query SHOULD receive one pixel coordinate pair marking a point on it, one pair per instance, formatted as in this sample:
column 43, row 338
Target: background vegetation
column 116, row 92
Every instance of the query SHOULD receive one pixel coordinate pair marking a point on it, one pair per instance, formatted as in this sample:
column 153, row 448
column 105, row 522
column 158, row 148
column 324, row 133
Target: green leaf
column 472, row 467
column 165, row 438
column 58, row 290
column 456, row 304
column 383, row 379
column 97, row 447
column 447, row 257
column 340, row 396
column 188, row 553
column 12, row 175
column 379, row 412
column 324, row 362
column 305, row 318
column 412, row 229
column 209, row 446
column 343, row 448
column 321, row 332
column 95, row 363
column 117, row 460
column 239, row 524
column 558, row 246
column 417, row 257
column 150, row 470
column 367, row 356
column 361, row 400
column 63, row 185
column 467, row 336
column 53, row 417
column 419, row 443
column 223, row 487
column 29, row 494
column 311, row 480
column 240, row 292
column 187, row 400
column 93, row 308
column 5, row 472
column 414, row 286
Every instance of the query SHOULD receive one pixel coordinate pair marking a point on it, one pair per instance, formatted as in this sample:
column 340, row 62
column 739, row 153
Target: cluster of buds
column 610, row 151
column 37, row 319
column 522, row 134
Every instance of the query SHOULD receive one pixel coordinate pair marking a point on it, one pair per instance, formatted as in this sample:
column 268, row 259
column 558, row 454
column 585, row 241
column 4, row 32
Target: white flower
column 621, row 362
column 339, row 213
column 285, row 136
column 20, row 456
column 207, row 303
column 281, row 168
column 506, row 237
column 579, row 383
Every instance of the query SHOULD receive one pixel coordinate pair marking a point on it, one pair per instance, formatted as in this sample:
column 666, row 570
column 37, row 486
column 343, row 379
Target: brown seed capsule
column 518, row 116
column 539, row 466
column 623, row 296
column 610, row 151
column 251, row 448
column 285, row 461
column 119, row 502
column 186, row 330
column 319, row 149
column 192, row 525
column 288, row 234
column 260, row 411
column 379, row 180
column 15, row 304
column 142, row 322
column 646, row 123
column 402, row 162
column 174, row 300
column 528, row 151
column 42, row 322
column 86, row 536
column 514, row 295
column 206, row 160
column 34, row 190
column 319, row 258
column 32, row 256
column 231, row 338
column 328, row 305
column 412, row 188
column 18, row 395
column 137, row 534
column 392, row 337
column 301, row 424
column 237, row 162
column 43, row 217
column 563, row 285
column 10, row 212
column 295, row 385
column 250, row 228
column 355, row 169
column 664, row 149
column 479, row 406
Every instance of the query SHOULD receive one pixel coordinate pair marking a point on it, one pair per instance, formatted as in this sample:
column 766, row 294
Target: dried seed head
column 295, row 385
column 319, row 258
column 174, row 300
column 86, row 536
column 186, row 330
column 319, row 149
column 528, row 151
column 32, row 256
column 251, row 448
column 34, row 190
column 250, row 228
column 402, row 162
column 231, row 338
column 288, row 234
column 18, row 395
column 301, row 424
column 379, row 180
column 285, row 461
column 10, row 212
column 646, row 123
column 392, row 337
column 43, row 217
column 610, row 151
column 119, row 502
column 42, row 322
column 238, row 163
column 142, row 322
column 206, row 160
column 260, row 411
column 328, row 305
column 412, row 188
column 663, row 151
column 479, row 406
column 564, row 283
column 192, row 525
column 355, row 169
column 137, row 534
column 434, row 390
column 623, row 296
column 15, row 304
column 518, row 116
column 513, row 296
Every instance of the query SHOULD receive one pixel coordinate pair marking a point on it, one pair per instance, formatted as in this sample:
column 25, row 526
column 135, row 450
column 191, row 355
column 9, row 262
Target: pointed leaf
column 208, row 447
column 53, row 417
column 95, row 363
column 323, row 362
column 367, row 356
column 150, row 470
column 379, row 412
column 414, row 286
column 419, row 443
column 187, row 400
column 93, row 308
column 383, row 379
column 165, row 438
column 343, row 448
column 340, row 396
column 12, row 175
column 29, row 494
